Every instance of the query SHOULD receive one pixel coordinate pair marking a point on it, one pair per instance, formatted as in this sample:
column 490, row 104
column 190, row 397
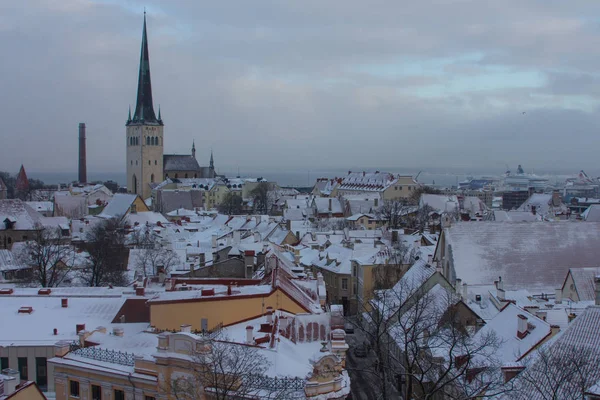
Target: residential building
column 387, row 185
column 18, row 222
column 533, row 256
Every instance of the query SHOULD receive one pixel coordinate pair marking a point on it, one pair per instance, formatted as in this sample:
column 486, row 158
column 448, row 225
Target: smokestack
column 82, row 159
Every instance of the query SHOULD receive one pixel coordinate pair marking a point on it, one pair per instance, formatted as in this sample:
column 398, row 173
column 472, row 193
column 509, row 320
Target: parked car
column 349, row 328
column 360, row 351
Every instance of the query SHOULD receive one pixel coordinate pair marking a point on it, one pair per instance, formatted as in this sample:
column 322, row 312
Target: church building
column 146, row 162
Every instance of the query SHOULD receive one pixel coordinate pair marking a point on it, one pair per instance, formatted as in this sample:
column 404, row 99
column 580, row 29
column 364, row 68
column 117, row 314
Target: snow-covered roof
column 42, row 206
column 368, row 181
column 146, row 217
column 325, row 205
column 182, row 212
column 515, row 216
column 194, row 292
column 391, row 299
column 118, row 206
column 580, row 336
column 534, row 256
column 544, row 204
column 583, row 278
column 505, row 325
column 439, row 202
column 25, row 217
column 23, row 329
column 592, row 213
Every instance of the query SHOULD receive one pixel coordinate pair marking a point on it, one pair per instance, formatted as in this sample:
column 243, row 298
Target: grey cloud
column 271, row 83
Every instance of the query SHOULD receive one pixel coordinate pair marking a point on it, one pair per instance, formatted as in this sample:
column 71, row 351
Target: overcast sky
column 306, row 84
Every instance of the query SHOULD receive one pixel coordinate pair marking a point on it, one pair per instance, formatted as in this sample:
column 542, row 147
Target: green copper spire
column 129, row 116
column 144, row 109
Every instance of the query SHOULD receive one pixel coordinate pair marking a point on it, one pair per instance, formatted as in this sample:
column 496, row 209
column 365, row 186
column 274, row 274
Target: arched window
column 155, row 162
column 195, row 175
column 134, row 181
column 175, row 176
column 147, row 140
column 135, row 162
column 149, row 163
column 137, row 140
column 152, row 178
column 131, row 162
column 186, row 175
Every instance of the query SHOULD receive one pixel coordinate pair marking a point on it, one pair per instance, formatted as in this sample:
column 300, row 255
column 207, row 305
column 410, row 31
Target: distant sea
column 306, row 177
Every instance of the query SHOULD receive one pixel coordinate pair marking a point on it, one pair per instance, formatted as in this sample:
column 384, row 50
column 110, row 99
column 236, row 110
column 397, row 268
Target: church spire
column 212, row 163
column 144, row 109
column 193, row 148
column 129, row 116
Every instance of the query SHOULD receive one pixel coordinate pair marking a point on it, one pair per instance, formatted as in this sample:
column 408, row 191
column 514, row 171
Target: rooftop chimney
column 187, row 328
column 249, row 335
column 10, row 384
column 521, row 326
column 118, row 331
column 82, row 158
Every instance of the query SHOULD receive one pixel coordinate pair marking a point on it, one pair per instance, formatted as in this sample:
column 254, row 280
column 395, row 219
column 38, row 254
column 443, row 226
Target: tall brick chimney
column 82, row 159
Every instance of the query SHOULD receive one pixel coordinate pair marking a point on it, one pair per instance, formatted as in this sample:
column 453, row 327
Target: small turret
column 193, row 142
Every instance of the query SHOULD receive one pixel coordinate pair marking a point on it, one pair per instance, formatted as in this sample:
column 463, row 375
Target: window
column 119, row 394
column 74, row 385
column 354, row 270
column 149, row 398
column 344, row 283
column 135, row 162
column 147, row 140
column 131, row 162
column 186, row 175
column 3, row 363
column 149, row 163
column 151, row 177
column 133, row 208
column 41, row 372
column 23, row 367
column 96, row 392
column 155, row 162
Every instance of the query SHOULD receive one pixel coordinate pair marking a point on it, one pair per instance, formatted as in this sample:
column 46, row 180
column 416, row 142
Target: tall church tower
column 144, row 132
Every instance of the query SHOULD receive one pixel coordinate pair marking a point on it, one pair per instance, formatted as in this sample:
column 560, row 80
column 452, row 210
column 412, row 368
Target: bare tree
column 264, row 197
column 50, row 260
column 226, row 370
column 149, row 261
column 395, row 213
column 422, row 346
column 232, row 204
column 563, row 374
column 105, row 243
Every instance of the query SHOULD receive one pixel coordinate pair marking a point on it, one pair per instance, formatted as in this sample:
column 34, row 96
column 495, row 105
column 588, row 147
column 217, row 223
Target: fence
column 258, row 381
column 98, row 354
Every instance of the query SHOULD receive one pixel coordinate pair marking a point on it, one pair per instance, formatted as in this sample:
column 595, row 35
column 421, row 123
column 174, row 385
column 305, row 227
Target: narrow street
column 364, row 385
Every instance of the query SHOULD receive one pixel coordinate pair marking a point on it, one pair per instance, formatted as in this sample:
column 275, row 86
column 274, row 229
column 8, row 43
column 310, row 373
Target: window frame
column 74, row 385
